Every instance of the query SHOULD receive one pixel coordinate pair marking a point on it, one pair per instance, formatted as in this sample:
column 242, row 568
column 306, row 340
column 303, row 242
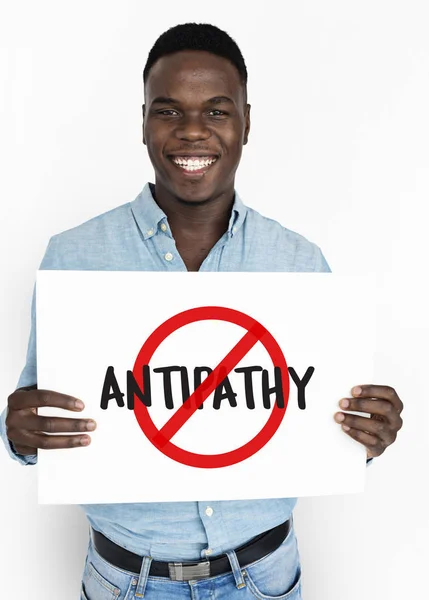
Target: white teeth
column 193, row 165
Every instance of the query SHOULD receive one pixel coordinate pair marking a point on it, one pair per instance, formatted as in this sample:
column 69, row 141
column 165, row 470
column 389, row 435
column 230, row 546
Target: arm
column 27, row 380
column 22, row 430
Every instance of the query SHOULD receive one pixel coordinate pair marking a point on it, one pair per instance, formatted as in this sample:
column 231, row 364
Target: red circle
column 153, row 342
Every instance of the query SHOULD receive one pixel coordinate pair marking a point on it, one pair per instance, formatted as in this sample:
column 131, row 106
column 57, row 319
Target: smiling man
column 196, row 120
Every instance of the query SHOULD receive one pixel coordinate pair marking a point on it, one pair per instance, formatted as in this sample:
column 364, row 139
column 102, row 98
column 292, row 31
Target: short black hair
column 197, row 36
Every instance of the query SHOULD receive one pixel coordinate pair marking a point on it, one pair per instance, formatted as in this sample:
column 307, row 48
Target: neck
column 199, row 219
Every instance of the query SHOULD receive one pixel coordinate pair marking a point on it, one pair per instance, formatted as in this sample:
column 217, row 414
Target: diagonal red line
column 209, row 384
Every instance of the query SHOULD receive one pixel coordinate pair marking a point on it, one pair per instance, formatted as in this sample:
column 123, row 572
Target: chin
column 193, row 201
column 193, row 193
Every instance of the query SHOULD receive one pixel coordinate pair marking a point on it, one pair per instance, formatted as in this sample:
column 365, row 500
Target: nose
column 192, row 128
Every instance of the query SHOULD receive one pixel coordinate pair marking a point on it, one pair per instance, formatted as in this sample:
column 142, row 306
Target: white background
column 338, row 152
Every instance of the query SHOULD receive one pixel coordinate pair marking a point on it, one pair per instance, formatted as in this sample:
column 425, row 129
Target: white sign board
column 269, row 354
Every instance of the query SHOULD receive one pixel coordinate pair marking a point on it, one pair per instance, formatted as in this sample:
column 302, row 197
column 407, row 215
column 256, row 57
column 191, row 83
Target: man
column 196, row 120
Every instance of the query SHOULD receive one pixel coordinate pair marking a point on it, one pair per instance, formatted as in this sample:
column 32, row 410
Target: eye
column 161, row 112
column 167, row 112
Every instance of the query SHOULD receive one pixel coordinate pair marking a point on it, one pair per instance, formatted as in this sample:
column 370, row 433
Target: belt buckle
column 188, row 571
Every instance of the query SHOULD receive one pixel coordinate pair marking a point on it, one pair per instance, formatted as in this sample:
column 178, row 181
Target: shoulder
column 111, row 220
column 285, row 246
column 89, row 239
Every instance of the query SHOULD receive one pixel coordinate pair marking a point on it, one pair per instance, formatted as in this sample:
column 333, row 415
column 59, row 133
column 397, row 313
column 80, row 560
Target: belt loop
column 144, row 574
column 236, row 569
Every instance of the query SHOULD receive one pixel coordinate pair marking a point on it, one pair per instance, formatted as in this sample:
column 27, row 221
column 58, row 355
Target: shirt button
column 168, row 256
column 208, row 551
column 163, row 227
column 234, row 229
column 209, row 511
column 150, row 232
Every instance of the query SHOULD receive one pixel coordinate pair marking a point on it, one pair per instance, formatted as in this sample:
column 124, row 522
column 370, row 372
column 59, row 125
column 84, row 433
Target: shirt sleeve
column 320, row 263
column 28, row 375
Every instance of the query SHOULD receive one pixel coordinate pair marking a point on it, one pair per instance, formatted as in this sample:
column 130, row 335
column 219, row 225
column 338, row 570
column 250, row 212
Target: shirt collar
column 150, row 217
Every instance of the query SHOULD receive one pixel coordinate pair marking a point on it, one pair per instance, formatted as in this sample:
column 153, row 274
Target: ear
column 144, row 139
column 247, row 126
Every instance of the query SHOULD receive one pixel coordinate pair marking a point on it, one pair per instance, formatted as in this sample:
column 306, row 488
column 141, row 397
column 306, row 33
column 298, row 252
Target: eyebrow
column 214, row 100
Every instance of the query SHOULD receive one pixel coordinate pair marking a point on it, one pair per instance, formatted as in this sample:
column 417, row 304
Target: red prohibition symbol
column 255, row 332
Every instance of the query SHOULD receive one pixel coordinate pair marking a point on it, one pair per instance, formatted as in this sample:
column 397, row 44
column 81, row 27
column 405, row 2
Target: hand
column 25, row 428
column 380, row 430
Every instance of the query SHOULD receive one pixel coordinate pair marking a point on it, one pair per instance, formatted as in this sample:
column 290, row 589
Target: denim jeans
column 276, row 576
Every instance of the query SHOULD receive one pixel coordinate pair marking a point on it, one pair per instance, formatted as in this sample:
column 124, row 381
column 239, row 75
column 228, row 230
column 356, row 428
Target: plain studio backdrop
column 337, row 151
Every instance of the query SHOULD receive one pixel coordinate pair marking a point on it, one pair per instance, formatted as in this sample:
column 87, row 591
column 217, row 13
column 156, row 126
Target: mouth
column 193, row 166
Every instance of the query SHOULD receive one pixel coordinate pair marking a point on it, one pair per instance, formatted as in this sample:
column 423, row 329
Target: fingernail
column 346, row 427
column 344, row 403
column 79, row 404
column 85, row 440
column 357, row 391
column 91, row 425
column 339, row 417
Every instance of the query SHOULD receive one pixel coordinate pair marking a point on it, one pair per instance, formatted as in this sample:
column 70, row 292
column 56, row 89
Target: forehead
column 193, row 72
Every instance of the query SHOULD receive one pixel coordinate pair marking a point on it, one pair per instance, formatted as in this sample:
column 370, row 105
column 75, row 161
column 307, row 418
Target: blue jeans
column 277, row 576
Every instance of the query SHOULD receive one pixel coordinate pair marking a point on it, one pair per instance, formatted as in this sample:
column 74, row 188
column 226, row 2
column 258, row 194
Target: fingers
column 28, row 430
column 22, row 399
column 382, row 408
column 383, row 392
column 373, row 444
column 32, row 428
column 381, row 429
column 377, row 400
column 57, row 424
column 49, row 442
column 371, row 427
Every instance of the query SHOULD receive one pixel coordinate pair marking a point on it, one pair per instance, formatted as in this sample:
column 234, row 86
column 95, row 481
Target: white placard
column 236, row 446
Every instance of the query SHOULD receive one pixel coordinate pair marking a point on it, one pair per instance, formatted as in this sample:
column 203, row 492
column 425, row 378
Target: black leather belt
column 256, row 548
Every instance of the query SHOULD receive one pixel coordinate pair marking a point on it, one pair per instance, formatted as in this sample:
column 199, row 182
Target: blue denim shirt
column 136, row 237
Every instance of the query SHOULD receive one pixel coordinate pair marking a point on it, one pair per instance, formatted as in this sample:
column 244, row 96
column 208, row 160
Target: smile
column 194, row 165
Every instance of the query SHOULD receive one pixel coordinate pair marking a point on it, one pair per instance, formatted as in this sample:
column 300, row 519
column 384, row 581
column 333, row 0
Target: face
column 195, row 110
